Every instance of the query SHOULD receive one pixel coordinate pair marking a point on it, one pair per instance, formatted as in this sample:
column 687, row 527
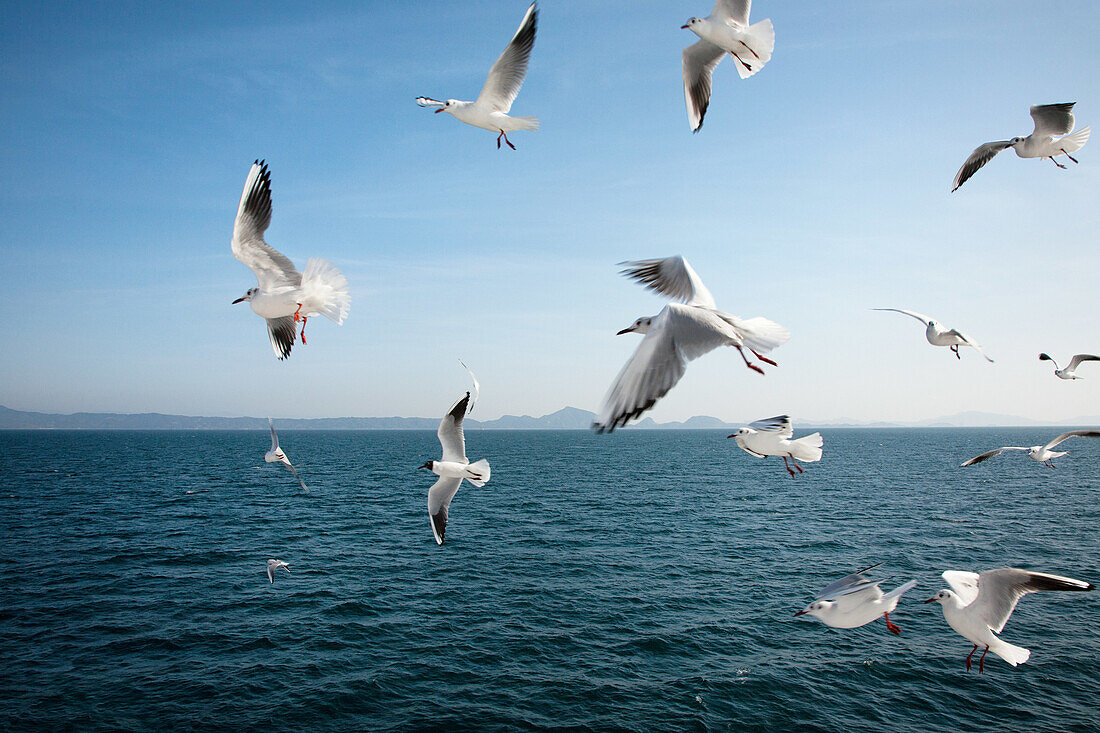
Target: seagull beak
column 625, row 330
column 932, row 600
column 438, row 110
column 731, row 436
column 797, row 613
column 238, row 300
column 683, row 26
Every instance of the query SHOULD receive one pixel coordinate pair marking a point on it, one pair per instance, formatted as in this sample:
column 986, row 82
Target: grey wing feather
column 699, row 61
column 274, row 437
column 981, row 155
column 912, row 314
column 295, row 472
column 439, row 501
column 970, row 342
column 1073, row 434
column 989, row 454
column 672, row 277
column 847, row 582
column 780, row 424
column 1078, row 358
column 1052, row 119
column 272, row 268
column 733, row 10
column 507, row 74
column 450, row 431
column 282, row 332
column 1000, row 590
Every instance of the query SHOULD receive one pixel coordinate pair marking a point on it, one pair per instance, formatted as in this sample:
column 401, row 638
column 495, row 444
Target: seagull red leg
column 1052, row 160
column 748, row 363
column 892, row 627
column 498, row 139
column 297, row 316
column 304, row 319
column 968, row 656
column 981, row 662
column 788, row 467
column 795, row 463
column 1068, row 155
column 750, row 50
column 506, row 140
column 764, row 359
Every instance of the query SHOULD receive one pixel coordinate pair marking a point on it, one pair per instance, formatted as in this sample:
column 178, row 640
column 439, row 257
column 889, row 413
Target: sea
column 639, row 581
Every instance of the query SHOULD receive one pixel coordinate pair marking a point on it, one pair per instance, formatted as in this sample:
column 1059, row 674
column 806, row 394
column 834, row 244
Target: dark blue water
column 638, row 581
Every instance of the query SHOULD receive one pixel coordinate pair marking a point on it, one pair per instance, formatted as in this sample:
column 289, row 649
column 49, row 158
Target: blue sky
column 816, row 190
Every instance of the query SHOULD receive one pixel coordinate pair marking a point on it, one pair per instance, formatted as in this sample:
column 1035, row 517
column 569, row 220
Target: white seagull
column 1041, row 453
column 725, row 30
column 284, row 296
column 978, row 606
column 939, row 335
column 772, row 437
column 272, row 566
column 1050, row 120
column 1070, row 372
column 276, row 455
column 855, row 601
column 679, row 333
column 452, row 469
column 490, row 110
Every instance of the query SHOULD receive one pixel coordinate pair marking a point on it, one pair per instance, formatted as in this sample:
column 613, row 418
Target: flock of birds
column 977, row 606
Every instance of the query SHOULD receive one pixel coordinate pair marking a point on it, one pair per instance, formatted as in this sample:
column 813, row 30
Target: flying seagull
column 725, row 30
column 1070, row 372
column 772, row 437
column 490, row 110
column 1041, row 453
column 452, row 469
column 856, row 600
column 682, row 331
column 272, row 566
column 978, row 606
column 284, row 296
column 939, row 335
column 276, row 455
column 1050, row 120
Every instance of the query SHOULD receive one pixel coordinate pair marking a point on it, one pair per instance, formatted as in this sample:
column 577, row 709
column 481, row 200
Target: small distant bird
column 679, row 333
column 939, row 335
column 1041, row 453
column 978, row 606
column 272, row 566
column 276, row 455
column 725, row 30
column 452, row 469
column 1070, row 372
column 490, row 110
column 284, row 296
column 1050, row 120
column 772, row 437
column 855, row 601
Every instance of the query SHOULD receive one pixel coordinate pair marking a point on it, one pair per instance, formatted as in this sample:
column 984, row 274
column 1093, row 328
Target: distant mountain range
column 567, row 418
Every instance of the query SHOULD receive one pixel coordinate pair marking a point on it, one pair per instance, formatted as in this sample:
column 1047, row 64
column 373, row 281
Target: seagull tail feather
column 1074, row 141
column 532, row 123
column 324, row 291
column 1011, row 653
column 760, row 38
column 808, row 448
column 478, row 473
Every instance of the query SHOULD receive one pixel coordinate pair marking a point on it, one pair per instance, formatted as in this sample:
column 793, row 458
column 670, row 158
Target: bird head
column 940, row 597
column 815, row 609
column 741, row 432
column 427, row 465
column 691, row 23
column 1016, row 141
column 640, row 326
column 247, row 296
column 448, row 106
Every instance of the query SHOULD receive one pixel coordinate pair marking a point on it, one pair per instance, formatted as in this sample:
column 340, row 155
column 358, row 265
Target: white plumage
column 773, row 436
column 453, row 468
column 939, row 335
column 856, row 600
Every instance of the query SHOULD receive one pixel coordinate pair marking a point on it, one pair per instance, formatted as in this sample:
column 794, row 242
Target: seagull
column 272, row 566
column 725, row 30
column 477, row 386
column 1050, row 120
column 1041, row 453
column 1070, row 372
column 490, row 110
column 978, row 606
column 276, row 455
column 452, row 469
column 284, row 296
column 939, row 335
column 679, row 333
column 772, row 437
column 855, row 601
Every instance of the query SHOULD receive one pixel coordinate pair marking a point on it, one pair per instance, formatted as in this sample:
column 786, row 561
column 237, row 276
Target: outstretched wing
column 989, row 454
column 1000, row 590
column 507, row 74
column 912, row 314
column 294, row 471
column 981, row 155
column 733, row 12
column 282, row 332
column 1072, row 434
column 672, row 277
column 1078, row 358
column 272, row 268
column 274, row 437
column 699, row 60
column 1052, row 119
column 964, row 583
column 477, row 386
column 450, row 432
column 781, row 425
column 439, row 501
column 969, row 342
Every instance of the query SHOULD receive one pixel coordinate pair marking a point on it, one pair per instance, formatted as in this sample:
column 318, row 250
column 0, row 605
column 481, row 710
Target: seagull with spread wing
column 1041, row 453
column 453, row 468
column 490, row 110
column 1050, row 120
column 1070, row 372
column 978, row 606
column 276, row 455
column 681, row 332
column 772, row 437
column 725, row 30
column 272, row 566
column 856, row 600
column 939, row 335
column 284, row 296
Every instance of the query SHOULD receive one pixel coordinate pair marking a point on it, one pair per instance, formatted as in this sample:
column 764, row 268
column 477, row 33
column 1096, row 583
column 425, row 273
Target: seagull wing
column 912, row 314
column 1052, row 119
column 439, row 500
column 1078, row 358
column 677, row 335
column 429, row 102
column 507, row 74
column 969, row 342
column 733, row 12
column 1000, row 590
column 964, row 583
column 673, row 277
column 274, row 437
column 845, row 584
column 450, row 432
column 699, row 60
column 270, row 575
column 981, row 155
column 780, row 425
column 989, row 454
column 293, row 471
column 272, row 268
column 282, row 332
column 477, row 385
column 1072, row 434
